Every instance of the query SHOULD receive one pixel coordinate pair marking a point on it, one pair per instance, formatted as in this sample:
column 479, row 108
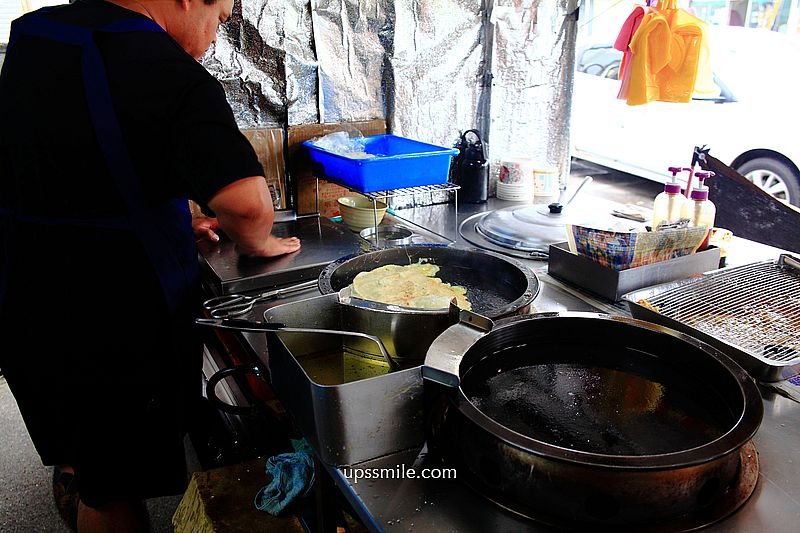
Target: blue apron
column 165, row 231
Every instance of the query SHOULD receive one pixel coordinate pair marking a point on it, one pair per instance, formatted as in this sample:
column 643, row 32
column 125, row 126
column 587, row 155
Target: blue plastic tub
column 399, row 163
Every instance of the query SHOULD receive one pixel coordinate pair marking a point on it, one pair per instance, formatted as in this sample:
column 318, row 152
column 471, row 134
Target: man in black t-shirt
column 107, row 124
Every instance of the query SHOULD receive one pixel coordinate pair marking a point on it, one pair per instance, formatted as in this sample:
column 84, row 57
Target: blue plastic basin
column 399, row 163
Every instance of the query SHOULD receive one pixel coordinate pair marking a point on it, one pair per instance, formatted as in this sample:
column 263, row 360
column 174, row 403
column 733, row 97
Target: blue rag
column 292, row 476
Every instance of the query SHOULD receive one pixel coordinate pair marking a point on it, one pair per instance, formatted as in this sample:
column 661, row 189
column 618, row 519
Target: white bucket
column 516, row 171
column 546, row 183
column 515, row 179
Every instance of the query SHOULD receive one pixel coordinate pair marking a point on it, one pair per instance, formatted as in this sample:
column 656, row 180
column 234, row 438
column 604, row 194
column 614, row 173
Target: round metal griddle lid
column 530, row 227
column 526, row 227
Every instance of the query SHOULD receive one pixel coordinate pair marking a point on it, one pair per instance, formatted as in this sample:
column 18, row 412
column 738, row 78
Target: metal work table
column 447, row 505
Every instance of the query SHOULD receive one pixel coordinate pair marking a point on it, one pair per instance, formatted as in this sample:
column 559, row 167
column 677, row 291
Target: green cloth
column 292, row 477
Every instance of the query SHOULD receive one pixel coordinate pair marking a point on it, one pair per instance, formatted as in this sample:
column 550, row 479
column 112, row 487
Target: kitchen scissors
column 231, row 305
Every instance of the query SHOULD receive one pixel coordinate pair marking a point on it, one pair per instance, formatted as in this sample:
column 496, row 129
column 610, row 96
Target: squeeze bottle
column 667, row 205
column 699, row 209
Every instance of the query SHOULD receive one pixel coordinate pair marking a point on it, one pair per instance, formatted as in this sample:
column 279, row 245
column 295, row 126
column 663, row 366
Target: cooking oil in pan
column 609, row 402
column 340, row 366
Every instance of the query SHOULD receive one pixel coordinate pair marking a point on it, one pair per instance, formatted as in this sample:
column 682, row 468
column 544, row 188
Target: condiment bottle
column 668, row 204
column 699, row 209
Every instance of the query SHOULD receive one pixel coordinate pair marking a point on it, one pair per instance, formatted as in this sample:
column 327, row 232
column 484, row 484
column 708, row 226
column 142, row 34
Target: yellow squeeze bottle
column 699, row 209
column 668, row 204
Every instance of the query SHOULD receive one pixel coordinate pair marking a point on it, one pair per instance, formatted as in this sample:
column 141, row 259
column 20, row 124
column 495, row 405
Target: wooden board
column 221, row 501
column 748, row 211
column 299, row 166
column 268, row 144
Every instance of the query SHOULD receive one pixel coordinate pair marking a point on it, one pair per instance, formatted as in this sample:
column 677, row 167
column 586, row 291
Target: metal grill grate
column 755, row 308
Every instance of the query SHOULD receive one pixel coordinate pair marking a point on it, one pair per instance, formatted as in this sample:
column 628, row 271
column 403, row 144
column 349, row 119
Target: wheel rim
column 769, row 182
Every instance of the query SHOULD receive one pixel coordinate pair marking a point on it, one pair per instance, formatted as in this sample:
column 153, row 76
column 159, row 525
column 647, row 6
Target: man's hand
column 205, row 229
column 278, row 246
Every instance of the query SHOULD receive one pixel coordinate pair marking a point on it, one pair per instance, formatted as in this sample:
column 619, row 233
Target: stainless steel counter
column 446, row 505
column 323, row 241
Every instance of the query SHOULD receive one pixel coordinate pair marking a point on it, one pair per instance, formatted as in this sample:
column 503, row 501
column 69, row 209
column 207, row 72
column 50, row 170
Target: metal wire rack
column 755, row 307
column 377, row 196
column 421, row 189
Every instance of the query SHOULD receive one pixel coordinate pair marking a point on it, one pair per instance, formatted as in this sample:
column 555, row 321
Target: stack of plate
column 515, row 192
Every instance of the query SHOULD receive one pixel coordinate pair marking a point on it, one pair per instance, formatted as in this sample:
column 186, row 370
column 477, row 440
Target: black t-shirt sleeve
column 209, row 150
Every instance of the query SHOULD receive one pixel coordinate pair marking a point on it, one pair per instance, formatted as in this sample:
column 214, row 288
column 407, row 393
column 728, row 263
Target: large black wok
column 497, row 286
column 584, row 420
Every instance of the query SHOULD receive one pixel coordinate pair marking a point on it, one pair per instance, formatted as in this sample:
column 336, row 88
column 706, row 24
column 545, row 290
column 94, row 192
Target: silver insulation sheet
column 438, row 74
column 431, row 68
column 351, row 39
column 264, row 57
column 437, row 66
column 533, row 59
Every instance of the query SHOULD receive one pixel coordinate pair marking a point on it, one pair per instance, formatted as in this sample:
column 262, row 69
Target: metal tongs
column 231, row 305
column 236, row 324
column 345, row 297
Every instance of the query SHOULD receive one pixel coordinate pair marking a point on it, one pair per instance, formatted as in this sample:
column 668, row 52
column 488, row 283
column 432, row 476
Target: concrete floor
column 25, row 485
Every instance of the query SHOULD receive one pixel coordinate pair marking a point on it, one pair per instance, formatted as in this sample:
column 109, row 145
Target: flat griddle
column 322, row 241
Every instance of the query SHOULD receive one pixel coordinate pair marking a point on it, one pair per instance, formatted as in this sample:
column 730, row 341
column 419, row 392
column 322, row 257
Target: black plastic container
column 471, row 170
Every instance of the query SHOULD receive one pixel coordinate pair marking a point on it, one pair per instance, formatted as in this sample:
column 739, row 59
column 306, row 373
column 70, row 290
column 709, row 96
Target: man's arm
column 245, row 213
